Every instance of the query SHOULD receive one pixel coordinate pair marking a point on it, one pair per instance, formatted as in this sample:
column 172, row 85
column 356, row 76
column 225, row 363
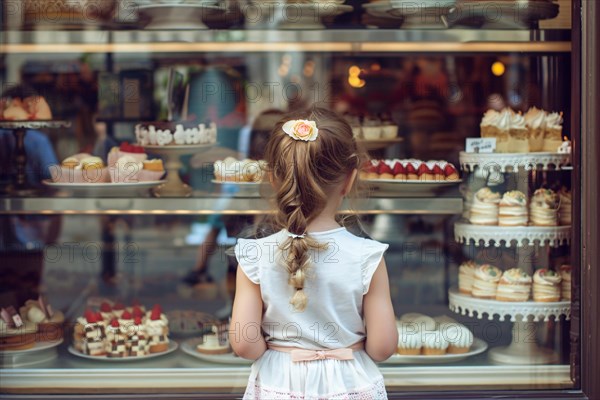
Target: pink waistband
column 299, row 354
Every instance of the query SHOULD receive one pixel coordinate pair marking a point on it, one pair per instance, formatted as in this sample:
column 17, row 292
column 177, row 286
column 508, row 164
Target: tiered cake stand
column 19, row 129
column 174, row 186
column 523, row 348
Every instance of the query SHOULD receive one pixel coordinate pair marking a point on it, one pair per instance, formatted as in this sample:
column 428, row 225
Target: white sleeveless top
column 337, row 281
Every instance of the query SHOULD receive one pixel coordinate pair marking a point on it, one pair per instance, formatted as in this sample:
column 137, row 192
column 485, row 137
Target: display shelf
column 205, row 376
column 506, row 162
column 523, row 348
column 521, row 235
column 174, row 41
column 214, row 204
column 539, row 311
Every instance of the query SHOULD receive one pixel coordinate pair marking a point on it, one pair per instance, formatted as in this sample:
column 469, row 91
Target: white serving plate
column 242, row 189
column 172, row 347
column 478, row 347
column 39, row 346
column 104, row 189
column 189, row 347
column 178, row 16
column 412, row 187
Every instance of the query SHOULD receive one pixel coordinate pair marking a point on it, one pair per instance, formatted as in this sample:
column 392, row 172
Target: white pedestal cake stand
column 465, row 232
column 507, row 162
column 174, row 186
column 523, row 348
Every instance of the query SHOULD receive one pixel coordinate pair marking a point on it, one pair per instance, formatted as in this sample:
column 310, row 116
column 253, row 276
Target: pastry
column 546, row 286
column 484, row 210
column 485, row 283
column 118, row 310
column 425, row 171
column 497, row 125
column 565, row 208
column 106, row 311
column 70, row 162
column 514, row 285
column 409, row 339
column 385, row 171
column 16, row 338
column 512, row 209
column 115, row 346
column 399, row 171
column 424, row 323
column 458, row 336
column 164, row 133
column 466, row 274
column 157, row 327
column 137, row 341
column 544, row 208
column 565, row 274
column 215, row 342
column 49, row 321
column 434, row 343
column 154, row 165
column 535, row 120
column 553, row 132
column 519, row 134
column 411, row 171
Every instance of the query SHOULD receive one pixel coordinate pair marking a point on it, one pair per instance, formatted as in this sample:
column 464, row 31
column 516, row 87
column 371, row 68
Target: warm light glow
column 376, row 67
column 356, row 82
column 354, row 70
column 498, row 68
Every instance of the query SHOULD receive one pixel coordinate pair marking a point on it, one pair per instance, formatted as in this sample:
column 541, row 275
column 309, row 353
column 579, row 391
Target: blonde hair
column 303, row 173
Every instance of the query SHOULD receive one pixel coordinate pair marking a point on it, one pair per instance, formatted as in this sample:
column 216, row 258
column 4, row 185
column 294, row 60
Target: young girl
column 312, row 303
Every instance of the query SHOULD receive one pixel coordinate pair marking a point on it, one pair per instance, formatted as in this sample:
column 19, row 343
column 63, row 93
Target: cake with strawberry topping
column 410, row 170
column 157, row 327
column 118, row 331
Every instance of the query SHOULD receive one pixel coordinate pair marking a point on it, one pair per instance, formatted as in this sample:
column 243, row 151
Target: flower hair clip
column 301, row 129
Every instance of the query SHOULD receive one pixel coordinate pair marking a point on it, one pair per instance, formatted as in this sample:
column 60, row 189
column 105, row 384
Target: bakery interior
column 127, row 179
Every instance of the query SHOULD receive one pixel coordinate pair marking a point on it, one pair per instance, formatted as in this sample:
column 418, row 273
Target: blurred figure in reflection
column 252, row 143
column 23, row 237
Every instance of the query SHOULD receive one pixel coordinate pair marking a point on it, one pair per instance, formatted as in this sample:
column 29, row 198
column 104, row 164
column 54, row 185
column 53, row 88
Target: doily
column 507, row 162
column 522, row 236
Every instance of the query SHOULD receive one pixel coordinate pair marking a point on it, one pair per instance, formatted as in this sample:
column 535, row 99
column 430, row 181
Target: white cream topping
column 457, row 334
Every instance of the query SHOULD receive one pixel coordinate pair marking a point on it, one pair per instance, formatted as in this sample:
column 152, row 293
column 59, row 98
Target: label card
column 480, row 145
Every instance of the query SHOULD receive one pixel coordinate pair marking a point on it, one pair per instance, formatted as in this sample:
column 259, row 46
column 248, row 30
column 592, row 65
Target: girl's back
column 338, row 280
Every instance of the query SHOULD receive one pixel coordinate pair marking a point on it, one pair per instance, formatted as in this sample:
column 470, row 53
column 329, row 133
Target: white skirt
column 274, row 376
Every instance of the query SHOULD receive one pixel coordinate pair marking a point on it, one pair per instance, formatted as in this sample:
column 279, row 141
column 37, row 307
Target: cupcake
column 466, row 273
column 519, row 134
column 485, row 283
column 434, row 343
column 535, row 120
column 409, row 339
column 484, row 210
column 553, row 132
column 565, row 207
column 546, row 286
column 514, row 285
column 425, row 323
column 512, row 210
column 458, row 336
column 565, row 275
column 544, row 208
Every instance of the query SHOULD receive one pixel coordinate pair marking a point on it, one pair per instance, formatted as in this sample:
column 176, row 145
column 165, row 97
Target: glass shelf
column 145, row 41
column 214, row 205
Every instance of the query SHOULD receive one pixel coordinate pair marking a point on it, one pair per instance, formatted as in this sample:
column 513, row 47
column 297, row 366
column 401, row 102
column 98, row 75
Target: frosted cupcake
column 535, row 119
column 459, row 337
column 544, row 208
column 512, row 210
column 514, row 285
column 466, row 273
column 434, row 343
column 485, row 283
column 484, row 210
column 565, row 274
column 409, row 339
column 546, row 286
column 519, row 135
column 565, row 208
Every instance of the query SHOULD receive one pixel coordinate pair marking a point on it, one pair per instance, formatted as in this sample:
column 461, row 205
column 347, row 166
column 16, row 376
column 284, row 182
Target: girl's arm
column 380, row 321
column 245, row 334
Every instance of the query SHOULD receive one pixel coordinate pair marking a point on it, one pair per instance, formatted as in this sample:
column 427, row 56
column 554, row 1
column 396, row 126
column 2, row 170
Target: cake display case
column 415, row 82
